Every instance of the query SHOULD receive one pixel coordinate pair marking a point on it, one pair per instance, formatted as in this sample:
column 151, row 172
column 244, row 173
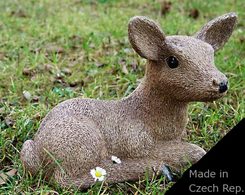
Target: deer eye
column 172, row 62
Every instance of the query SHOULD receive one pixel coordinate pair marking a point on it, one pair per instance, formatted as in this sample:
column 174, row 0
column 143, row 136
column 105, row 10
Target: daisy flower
column 116, row 160
column 98, row 174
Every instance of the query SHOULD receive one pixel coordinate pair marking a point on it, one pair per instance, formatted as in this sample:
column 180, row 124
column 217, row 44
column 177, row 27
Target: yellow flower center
column 98, row 174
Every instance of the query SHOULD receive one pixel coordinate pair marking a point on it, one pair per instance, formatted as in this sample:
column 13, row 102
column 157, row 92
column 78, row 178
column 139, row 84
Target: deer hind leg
column 30, row 157
column 67, row 181
column 71, row 146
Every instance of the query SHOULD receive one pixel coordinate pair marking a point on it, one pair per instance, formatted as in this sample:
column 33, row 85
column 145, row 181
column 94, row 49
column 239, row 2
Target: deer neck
column 165, row 116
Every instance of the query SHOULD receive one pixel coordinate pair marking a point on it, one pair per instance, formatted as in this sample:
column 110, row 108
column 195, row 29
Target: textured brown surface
column 217, row 31
column 144, row 129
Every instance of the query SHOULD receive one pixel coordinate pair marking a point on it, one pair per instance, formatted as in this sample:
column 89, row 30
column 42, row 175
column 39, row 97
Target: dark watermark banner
column 221, row 170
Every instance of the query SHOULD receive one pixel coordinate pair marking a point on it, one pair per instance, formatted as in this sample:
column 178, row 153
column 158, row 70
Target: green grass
column 62, row 49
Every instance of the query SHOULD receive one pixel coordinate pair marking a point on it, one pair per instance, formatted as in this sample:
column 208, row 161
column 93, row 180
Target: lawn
column 51, row 51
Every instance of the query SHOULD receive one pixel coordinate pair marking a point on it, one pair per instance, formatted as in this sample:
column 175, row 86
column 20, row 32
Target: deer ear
column 145, row 37
column 217, row 31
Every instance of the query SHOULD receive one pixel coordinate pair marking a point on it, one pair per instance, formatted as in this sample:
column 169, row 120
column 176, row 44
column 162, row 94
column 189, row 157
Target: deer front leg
column 171, row 153
column 178, row 153
column 127, row 170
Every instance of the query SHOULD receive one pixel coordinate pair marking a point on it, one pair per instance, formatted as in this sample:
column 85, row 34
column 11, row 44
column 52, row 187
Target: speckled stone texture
column 145, row 129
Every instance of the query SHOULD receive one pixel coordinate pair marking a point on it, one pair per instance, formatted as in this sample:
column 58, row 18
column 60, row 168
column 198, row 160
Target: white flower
column 116, row 159
column 98, row 174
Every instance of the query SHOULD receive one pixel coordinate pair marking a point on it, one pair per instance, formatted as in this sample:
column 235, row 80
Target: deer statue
column 144, row 130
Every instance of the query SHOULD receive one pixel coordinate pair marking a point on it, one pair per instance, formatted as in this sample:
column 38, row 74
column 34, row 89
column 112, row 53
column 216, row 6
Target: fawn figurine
column 145, row 129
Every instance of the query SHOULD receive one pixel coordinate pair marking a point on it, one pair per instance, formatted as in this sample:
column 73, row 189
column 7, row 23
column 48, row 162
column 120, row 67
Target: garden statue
column 84, row 140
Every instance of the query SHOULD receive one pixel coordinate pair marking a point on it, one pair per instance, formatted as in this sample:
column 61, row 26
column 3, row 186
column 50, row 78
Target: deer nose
column 223, row 86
